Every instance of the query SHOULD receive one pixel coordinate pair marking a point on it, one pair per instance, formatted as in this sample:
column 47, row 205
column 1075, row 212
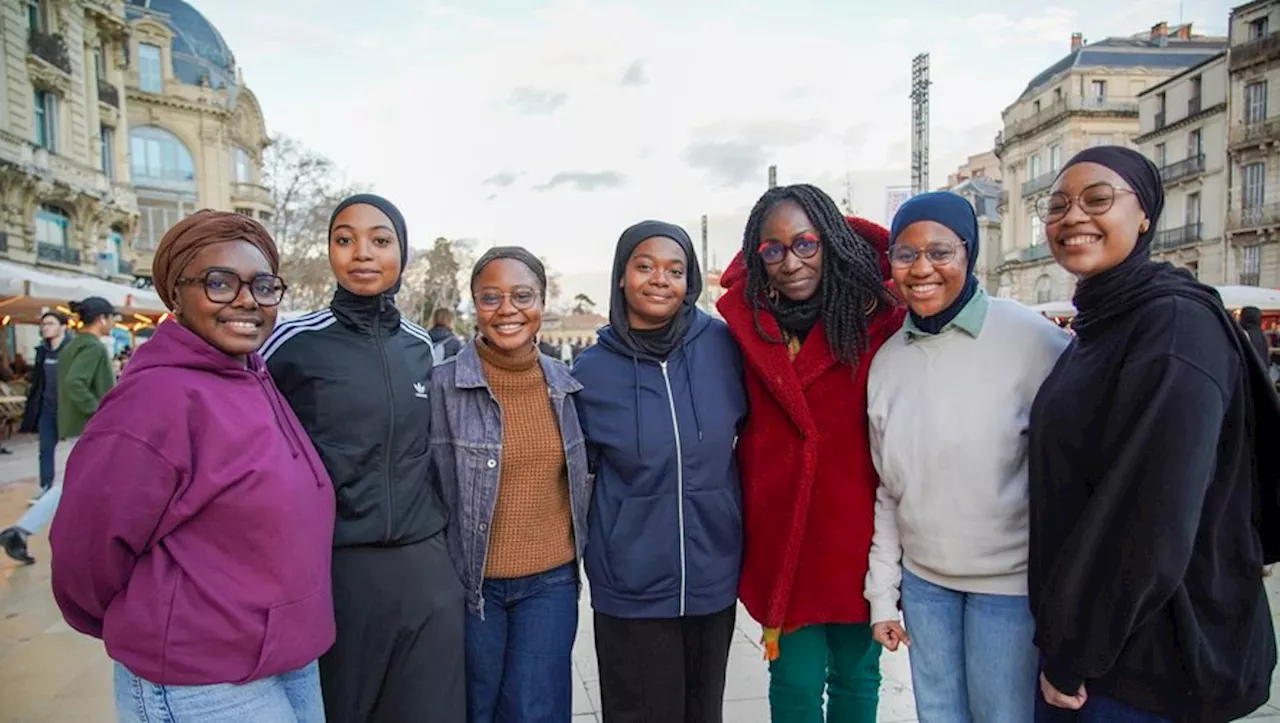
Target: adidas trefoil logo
column 420, row 390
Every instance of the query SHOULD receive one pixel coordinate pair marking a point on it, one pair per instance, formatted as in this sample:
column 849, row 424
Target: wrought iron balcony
column 1176, row 238
column 1254, row 217
column 1182, row 170
column 54, row 253
column 108, row 93
column 1038, row 184
column 1072, row 105
column 1264, row 48
column 50, row 48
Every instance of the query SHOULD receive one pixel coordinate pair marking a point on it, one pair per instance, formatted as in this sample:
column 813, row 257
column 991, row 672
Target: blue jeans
column 287, row 698
column 47, row 426
column 1098, row 709
column 520, row 657
column 973, row 658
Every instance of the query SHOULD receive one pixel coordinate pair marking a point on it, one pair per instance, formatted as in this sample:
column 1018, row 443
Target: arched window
column 159, row 160
column 1044, row 289
column 241, row 165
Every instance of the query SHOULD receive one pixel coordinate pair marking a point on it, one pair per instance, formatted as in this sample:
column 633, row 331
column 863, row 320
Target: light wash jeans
column 973, row 659
column 287, row 698
column 40, row 513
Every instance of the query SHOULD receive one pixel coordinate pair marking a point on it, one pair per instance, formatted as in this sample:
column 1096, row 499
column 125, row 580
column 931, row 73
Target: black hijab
column 397, row 223
column 654, row 344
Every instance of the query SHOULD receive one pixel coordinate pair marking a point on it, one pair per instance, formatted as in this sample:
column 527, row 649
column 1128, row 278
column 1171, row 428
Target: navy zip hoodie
column 665, row 526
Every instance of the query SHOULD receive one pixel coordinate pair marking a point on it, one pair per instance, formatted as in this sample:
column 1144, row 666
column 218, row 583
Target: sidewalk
column 51, row 674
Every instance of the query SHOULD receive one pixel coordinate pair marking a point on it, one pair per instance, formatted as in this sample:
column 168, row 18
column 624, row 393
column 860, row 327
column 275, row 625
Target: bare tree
column 553, row 285
column 582, row 304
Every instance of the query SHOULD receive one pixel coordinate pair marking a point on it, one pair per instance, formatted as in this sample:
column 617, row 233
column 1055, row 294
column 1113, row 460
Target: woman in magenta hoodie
column 193, row 535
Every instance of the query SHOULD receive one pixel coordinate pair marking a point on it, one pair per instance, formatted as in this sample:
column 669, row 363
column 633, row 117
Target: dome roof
column 198, row 48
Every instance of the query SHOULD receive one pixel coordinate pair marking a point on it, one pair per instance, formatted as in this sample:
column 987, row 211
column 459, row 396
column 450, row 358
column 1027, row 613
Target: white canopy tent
column 26, row 291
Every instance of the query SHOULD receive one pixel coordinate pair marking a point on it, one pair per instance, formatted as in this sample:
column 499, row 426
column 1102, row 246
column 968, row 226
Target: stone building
column 1089, row 97
column 116, row 120
column 1253, row 215
column 1183, row 128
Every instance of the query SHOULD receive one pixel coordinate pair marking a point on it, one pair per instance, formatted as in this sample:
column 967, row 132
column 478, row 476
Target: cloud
column 731, row 163
column 502, row 180
column 584, row 181
column 1052, row 27
column 535, row 101
column 734, row 153
column 635, row 74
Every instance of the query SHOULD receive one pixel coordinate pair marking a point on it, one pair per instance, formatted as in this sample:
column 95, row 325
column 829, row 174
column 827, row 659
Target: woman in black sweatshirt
column 1146, row 562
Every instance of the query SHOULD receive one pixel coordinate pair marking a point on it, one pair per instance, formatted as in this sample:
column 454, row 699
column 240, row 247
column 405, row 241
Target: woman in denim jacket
column 512, row 463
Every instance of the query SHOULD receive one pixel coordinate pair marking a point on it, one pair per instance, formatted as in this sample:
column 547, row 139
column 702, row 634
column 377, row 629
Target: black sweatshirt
column 1145, row 566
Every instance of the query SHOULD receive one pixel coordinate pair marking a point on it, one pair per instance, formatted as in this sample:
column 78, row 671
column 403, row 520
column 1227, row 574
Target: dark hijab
column 397, row 223
column 658, row 343
column 956, row 213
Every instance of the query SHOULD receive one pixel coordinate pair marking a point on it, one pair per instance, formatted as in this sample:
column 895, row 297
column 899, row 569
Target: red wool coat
column 808, row 483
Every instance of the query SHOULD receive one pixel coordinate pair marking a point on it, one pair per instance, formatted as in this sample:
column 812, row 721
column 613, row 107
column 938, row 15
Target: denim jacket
column 466, row 447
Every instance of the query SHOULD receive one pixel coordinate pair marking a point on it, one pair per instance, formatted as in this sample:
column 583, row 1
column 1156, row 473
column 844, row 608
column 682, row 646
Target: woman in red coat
column 808, row 303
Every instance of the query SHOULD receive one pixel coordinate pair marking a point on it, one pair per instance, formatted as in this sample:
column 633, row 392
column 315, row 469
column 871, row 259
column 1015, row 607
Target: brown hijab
column 204, row 228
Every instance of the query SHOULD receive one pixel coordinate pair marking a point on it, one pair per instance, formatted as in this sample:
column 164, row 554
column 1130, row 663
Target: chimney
column 1160, row 33
column 1077, row 41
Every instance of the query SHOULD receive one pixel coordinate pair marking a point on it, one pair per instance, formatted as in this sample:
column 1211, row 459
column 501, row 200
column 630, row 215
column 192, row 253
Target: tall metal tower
column 920, row 124
column 773, row 176
column 705, row 301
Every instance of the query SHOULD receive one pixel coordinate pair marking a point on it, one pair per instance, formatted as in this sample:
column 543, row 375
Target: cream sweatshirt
column 948, row 422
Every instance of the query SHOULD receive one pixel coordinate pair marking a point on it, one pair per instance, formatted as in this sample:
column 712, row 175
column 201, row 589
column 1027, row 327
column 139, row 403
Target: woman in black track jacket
column 357, row 375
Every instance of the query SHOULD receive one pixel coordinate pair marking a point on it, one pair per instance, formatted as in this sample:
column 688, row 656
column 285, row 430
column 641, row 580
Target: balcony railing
column 1184, row 169
column 1034, row 252
column 50, row 48
column 1176, row 238
column 1070, row 105
column 1255, row 133
column 56, row 254
column 1160, row 120
column 1038, row 184
column 1193, row 105
column 251, row 192
column 1253, row 51
column 108, row 93
column 1253, row 217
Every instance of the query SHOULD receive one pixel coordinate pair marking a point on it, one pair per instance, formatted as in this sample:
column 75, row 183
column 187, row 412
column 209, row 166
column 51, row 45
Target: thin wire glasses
column 223, row 287
column 804, row 247
column 522, row 299
column 939, row 253
column 1095, row 200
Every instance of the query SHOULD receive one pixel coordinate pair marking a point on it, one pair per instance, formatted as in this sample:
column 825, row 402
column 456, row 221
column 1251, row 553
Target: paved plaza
column 51, row 674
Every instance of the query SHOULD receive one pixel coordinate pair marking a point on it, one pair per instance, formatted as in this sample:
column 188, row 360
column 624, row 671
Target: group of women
column 868, row 451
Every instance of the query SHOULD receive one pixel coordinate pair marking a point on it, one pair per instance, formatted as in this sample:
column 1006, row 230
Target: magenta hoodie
column 196, row 524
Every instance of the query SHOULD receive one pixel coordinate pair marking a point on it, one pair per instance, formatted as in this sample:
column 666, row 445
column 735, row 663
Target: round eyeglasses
column 522, row 299
column 804, row 247
column 939, row 253
column 223, row 287
column 1095, row 200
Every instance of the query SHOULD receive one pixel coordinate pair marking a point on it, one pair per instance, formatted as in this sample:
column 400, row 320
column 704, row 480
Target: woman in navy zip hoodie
column 661, row 404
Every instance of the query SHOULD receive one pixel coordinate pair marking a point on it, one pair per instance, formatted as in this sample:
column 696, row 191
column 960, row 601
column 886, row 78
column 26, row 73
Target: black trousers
column 664, row 671
column 400, row 656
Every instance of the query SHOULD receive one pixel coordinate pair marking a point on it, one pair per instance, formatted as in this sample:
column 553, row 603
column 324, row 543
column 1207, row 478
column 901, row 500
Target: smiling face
column 654, row 283
column 237, row 328
column 509, row 304
column 930, row 285
column 794, row 277
column 1086, row 244
column 364, row 251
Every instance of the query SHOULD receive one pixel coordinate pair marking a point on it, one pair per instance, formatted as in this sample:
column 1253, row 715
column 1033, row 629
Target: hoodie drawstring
column 693, row 397
column 635, row 368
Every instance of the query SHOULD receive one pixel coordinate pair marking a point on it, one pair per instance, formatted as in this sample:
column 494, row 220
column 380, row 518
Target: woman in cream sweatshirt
column 948, row 404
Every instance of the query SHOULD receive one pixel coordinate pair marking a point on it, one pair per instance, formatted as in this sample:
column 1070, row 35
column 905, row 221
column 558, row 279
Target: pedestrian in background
column 358, row 376
column 513, row 468
column 194, row 529
column 661, row 404
column 808, row 303
column 441, row 332
column 1153, row 475
column 951, row 512
column 41, row 414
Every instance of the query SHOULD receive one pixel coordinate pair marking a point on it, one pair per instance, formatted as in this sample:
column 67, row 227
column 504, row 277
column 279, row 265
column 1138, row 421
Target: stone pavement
column 51, row 674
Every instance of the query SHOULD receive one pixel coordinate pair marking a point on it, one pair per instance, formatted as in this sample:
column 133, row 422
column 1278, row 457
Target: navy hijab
column 397, row 223
column 956, row 213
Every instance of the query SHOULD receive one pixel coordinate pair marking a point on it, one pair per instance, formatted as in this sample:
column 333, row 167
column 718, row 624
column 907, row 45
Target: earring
column 1144, row 227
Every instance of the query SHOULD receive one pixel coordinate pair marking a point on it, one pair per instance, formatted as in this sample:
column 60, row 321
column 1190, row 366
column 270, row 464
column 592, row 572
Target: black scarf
column 797, row 318
column 656, row 344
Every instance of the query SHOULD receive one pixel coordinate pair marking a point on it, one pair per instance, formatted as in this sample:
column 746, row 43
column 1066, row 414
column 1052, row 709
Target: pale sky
column 555, row 124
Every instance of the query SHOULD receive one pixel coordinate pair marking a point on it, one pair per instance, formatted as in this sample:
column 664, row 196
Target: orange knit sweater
column 532, row 528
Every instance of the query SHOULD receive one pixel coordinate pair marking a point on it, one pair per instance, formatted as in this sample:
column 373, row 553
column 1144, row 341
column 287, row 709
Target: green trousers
column 841, row 660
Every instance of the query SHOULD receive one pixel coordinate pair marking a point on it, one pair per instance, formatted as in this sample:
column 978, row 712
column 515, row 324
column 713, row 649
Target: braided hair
column 852, row 284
